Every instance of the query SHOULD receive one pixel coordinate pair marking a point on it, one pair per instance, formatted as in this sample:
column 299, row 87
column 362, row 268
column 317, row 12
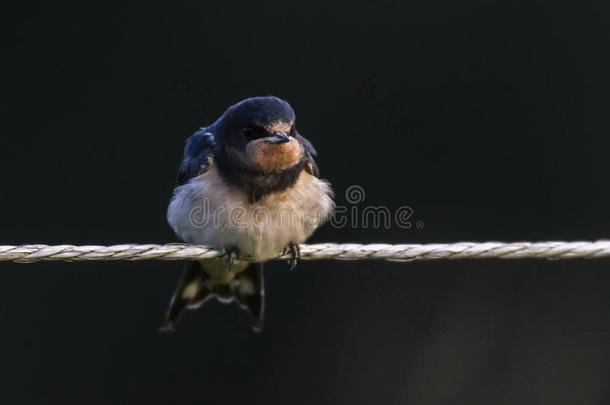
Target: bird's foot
column 295, row 254
column 231, row 256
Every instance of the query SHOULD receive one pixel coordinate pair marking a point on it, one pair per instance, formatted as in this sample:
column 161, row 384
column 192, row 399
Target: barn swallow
column 248, row 185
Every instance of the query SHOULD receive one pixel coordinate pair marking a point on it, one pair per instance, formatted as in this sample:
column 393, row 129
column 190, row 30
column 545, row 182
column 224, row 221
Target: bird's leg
column 231, row 256
column 295, row 254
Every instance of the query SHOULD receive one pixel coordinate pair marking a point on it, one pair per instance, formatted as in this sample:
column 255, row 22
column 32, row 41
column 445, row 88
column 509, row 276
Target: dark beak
column 280, row 138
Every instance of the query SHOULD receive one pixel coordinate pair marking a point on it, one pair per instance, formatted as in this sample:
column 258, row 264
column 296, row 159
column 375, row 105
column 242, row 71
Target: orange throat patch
column 274, row 157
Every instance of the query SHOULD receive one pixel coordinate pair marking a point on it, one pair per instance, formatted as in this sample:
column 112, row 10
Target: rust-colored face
column 268, row 156
column 268, row 148
column 278, row 127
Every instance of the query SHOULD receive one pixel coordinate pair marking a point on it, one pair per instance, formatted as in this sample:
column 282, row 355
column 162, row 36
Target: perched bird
column 248, row 185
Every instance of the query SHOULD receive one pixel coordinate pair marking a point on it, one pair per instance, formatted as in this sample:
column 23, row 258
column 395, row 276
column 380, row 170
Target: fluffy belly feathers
column 207, row 211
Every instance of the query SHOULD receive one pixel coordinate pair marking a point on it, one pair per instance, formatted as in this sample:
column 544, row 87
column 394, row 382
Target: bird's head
column 259, row 135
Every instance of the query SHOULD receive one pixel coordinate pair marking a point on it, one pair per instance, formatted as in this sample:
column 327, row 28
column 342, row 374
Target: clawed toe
column 231, row 256
column 295, row 255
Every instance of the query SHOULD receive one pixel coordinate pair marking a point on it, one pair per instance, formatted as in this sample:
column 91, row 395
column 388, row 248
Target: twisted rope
column 327, row 251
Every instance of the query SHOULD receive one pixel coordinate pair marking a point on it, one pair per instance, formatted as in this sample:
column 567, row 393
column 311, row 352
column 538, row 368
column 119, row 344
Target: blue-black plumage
column 251, row 161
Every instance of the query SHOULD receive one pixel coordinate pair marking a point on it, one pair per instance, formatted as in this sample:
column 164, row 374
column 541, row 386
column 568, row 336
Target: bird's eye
column 251, row 133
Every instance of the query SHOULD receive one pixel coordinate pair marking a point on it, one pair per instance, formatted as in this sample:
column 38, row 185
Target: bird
column 248, row 186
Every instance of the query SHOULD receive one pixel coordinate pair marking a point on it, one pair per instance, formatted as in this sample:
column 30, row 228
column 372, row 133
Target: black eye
column 252, row 132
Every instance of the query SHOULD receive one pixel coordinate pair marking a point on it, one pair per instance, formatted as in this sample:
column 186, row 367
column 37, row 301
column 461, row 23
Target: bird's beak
column 279, row 138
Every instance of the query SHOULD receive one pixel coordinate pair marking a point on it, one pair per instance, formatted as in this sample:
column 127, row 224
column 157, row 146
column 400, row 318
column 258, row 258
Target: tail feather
column 192, row 291
column 195, row 287
column 251, row 295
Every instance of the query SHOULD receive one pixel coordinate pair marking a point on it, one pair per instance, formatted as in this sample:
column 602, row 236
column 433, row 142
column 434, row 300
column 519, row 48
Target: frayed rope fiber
column 323, row 251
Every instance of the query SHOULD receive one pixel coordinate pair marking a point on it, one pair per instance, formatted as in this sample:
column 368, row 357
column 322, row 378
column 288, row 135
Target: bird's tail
column 195, row 287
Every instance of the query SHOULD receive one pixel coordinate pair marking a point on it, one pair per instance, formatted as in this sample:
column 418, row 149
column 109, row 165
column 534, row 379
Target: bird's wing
column 310, row 152
column 198, row 152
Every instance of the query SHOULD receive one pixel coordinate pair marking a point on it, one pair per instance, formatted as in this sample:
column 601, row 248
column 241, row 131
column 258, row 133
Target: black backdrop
column 489, row 119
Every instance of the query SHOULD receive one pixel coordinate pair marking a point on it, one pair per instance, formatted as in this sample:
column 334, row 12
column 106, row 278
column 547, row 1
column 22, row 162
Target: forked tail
column 195, row 287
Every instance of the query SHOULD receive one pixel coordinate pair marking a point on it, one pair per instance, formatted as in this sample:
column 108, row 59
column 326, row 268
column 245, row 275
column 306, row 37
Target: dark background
column 489, row 119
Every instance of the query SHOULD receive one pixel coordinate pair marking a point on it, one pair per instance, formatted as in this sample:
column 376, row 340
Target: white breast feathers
column 208, row 211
